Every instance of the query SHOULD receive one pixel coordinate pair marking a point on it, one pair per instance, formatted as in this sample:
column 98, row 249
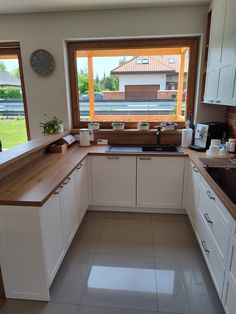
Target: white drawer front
column 224, row 213
column 211, row 255
column 214, row 222
column 232, row 261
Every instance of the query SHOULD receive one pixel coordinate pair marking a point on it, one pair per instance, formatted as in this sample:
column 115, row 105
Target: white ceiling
column 29, row 6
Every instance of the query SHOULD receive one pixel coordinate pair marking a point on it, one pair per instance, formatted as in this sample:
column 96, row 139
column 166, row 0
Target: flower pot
column 94, row 126
column 143, row 127
column 118, row 127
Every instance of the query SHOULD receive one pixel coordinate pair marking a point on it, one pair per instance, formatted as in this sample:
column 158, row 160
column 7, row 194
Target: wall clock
column 42, row 62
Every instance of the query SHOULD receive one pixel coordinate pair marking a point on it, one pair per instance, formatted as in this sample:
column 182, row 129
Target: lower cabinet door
column 82, row 186
column 70, row 209
column 160, row 182
column 52, row 232
column 114, row 180
column 229, row 295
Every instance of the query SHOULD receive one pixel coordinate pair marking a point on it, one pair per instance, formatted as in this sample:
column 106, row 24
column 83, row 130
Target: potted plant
column 168, row 126
column 143, row 126
column 94, row 125
column 51, row 126
column 118, row 126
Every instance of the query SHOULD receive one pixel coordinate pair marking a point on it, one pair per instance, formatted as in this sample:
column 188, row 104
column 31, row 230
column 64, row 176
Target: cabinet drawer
column 228, row 298
column 231, row 267
column 213, row 260
column 217, row 204
column 214, row 222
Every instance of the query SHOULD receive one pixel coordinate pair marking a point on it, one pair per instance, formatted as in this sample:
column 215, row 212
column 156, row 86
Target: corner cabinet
column 34, row 240
column 220, row 85
column 160, row 182
column 114, row 180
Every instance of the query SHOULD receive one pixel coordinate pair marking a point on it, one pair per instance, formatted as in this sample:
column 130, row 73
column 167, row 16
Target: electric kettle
column 86, row 135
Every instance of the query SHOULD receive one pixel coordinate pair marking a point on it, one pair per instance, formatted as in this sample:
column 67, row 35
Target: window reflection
column 131, row 279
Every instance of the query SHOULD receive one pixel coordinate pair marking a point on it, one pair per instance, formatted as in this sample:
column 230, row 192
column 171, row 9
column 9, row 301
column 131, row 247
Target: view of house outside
column 12, row 119
column 132, row 85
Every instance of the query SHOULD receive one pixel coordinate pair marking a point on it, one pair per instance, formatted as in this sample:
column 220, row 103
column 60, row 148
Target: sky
column 101, row 64
column 11, row 64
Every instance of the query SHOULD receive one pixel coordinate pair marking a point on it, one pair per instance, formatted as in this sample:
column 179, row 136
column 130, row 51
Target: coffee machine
column 205, row 132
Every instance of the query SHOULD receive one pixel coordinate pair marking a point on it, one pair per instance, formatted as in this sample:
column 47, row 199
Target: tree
column 15, row 73
column 122, row 61
column 3, row 67
column 83, row 83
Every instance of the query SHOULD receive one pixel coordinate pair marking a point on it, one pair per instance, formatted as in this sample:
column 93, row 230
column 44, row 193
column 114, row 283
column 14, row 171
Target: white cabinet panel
column 52, row 232
column 70, row 208
column 82, row 186
column 160, row 182
column 212, row 79
column 229, row 296
column 114, row 180
column 211, row 255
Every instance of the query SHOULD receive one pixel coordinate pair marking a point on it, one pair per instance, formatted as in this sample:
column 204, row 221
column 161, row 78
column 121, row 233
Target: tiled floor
column 128, row 263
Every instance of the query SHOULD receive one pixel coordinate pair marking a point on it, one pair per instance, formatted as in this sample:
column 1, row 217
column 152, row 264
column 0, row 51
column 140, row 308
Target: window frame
column 73, row 46
column 13, row 48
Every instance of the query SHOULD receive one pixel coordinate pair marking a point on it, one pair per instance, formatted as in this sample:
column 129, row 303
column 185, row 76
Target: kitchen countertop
column 34, row 183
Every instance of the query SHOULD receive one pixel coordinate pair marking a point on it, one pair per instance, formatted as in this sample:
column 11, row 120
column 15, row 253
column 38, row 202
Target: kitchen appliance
column 85, row 136
column 205, row 132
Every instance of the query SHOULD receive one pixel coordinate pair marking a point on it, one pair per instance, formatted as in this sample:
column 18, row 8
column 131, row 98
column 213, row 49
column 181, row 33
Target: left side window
column 14, row 128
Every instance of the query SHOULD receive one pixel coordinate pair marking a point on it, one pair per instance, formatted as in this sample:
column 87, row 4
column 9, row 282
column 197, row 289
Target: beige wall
column 50, row 30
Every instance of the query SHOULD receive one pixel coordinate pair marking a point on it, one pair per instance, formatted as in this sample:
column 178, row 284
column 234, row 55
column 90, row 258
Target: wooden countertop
column 34, row 183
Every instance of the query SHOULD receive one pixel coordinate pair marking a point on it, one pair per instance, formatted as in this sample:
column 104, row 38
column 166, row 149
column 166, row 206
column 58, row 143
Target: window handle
column 210, row 196
column 205, row 247
column 208, row 219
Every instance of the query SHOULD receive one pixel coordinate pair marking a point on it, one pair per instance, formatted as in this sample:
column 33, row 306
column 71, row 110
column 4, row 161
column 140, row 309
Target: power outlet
column 102, row 141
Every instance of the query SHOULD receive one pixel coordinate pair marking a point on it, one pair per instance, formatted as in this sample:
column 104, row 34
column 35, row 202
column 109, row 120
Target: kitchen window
column 131, row 81
column 14, row 126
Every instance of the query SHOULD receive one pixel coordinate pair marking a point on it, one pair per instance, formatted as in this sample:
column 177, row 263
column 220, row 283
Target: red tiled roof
column 155, row 64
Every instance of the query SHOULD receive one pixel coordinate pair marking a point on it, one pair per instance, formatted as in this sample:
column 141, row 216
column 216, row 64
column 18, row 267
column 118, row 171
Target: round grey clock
column 42, row 62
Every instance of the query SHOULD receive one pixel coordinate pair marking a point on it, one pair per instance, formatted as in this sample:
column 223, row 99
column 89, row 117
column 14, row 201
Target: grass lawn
column 12, row 133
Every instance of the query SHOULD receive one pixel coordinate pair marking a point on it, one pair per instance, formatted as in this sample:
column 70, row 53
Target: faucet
column 158, row 135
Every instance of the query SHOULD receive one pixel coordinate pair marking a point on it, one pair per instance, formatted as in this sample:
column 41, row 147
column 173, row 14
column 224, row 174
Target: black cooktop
column 226, row 179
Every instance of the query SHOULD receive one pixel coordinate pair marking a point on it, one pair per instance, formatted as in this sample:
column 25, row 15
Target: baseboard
column 138, row 209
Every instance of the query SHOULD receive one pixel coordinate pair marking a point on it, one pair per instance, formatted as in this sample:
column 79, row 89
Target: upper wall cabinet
column 221, row 69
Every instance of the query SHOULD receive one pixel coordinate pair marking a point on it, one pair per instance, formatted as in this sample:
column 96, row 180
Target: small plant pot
column 143, row 127
column 118, row 127
column 94, row 126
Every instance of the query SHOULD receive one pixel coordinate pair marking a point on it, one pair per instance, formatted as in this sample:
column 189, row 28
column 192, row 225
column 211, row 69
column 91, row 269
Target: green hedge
column 10, row 93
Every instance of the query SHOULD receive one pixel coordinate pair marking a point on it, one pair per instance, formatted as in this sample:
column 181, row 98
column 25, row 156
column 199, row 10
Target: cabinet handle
column 210, row 196
column 79, row 167
column 195, row 169
column 205, row 247
column 218, row 101
column 211, row 100
column 208, row 219
column 113, row 157
column 145, row 158
column 56, row 193
column 67, row 181
column 59, row 190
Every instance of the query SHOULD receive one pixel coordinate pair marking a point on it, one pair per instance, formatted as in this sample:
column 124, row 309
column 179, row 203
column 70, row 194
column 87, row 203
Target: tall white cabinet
column 221, row 69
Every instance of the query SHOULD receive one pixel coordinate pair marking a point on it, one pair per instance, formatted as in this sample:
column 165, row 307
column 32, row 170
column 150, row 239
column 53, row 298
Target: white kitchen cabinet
column 229, row 295
column 51, row 216
column 114, row 180
column 191, row 189
column 82, row 187
column 160, row 182
column 70, row 208
column 220, row 79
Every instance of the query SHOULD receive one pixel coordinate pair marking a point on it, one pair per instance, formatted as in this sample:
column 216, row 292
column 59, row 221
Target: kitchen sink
column 146, row 148
column 162, row 149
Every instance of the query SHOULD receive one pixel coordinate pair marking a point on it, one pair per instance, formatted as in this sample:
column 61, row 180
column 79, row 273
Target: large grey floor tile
column 121, row 282
column 130, row 237
column 88, row 235
column 129, row 216
column 30, row 307
column 96, row 214
column 174, row 240
column 185, row 286
column 71, row 278
column 84, row 309
column 170, row 218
